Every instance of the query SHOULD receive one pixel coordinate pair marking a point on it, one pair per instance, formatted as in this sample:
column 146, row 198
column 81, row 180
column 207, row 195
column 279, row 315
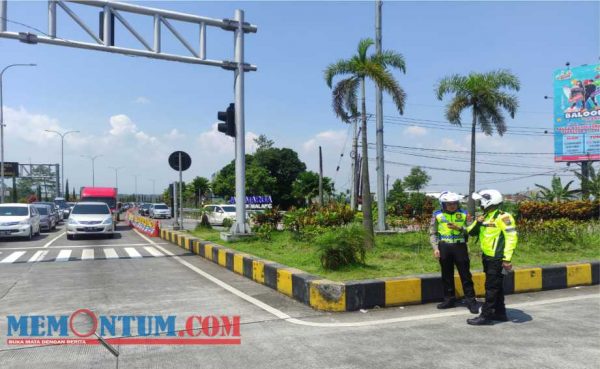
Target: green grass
column 397, row 255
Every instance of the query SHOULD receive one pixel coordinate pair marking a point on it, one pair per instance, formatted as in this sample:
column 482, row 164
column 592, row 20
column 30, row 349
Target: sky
column 135, row 111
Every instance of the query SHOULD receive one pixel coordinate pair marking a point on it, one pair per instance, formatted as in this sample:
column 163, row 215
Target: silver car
column 19, row 220
column 159, row 211
column 47, row 221
column 89, row 218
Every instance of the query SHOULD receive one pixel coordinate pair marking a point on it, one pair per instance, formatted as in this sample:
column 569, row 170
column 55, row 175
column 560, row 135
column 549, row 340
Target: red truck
column 101, row 194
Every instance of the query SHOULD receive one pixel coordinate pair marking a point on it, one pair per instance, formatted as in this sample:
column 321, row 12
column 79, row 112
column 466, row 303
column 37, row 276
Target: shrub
column 341, row 246
column 227, row 223
column 574, row 210
column 270, row 218
column 314, row 217
column 559, row 234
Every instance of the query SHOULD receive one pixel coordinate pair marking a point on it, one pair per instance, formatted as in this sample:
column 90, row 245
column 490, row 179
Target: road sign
column 11, row 169
column 186, row 160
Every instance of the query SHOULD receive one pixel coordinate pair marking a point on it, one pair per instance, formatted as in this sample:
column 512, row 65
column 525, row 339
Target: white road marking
column 280, row 314
column 39, row 255
column 12, row 257
column 154, row 252
column 132, row 252
column 81, row 246
column 54, row 239
column 111, row 254
column 87, row 254
column 63, row 255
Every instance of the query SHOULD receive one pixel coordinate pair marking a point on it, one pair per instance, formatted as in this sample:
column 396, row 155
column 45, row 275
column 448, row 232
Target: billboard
column 11, row 169
column 577, row 113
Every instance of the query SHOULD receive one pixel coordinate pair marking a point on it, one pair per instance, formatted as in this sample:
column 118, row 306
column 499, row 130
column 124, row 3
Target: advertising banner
column 577, row 113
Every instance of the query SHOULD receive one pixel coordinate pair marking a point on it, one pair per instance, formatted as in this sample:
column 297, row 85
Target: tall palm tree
column 591, row 184
column 557, row 192
column 485, row 94
column 357, row 70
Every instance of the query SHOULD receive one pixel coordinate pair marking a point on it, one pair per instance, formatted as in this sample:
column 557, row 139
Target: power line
column 467, row 151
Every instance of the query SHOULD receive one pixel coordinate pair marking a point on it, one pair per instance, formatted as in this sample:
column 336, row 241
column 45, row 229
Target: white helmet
column 488, row 198
column 448, row 196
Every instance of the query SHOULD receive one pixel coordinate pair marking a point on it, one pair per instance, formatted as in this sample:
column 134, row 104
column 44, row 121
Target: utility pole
column 116, row 169
column 62, row 155
column 135, row 187
column 153, row 189
column 379, row 129
column 585, row 174
column 320, row 177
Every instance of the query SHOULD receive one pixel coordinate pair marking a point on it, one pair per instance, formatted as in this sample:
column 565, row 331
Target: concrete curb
column 323, row 294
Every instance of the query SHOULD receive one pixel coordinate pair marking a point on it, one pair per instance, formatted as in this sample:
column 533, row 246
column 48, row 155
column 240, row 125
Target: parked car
column 55, row 213
column 218, row 213
column 19, row 220
column 47, row 221
column 159, row 211
column 90, row 218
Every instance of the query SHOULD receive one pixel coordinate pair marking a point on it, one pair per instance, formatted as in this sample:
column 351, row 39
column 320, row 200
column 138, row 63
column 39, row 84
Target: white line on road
column 87, row 254
column 154, row 252
column 39, row 255
column 54, row 239
column 132, row 252
column 80, row 246
column 63, row 255
column 111, row 254
column 12, row 257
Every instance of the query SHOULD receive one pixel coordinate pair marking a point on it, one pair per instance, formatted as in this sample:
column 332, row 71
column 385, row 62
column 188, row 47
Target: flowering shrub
column 574, row 210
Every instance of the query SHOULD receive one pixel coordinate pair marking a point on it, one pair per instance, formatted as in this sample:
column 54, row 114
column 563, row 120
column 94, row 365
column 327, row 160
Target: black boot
column 473, row 305
column 501, row 317
column 480, row 320
column 447, row 304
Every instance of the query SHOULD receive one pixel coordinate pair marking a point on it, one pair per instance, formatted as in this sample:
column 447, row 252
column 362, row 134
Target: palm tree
column 357, row 69
column 484, row 94
column 557, row 192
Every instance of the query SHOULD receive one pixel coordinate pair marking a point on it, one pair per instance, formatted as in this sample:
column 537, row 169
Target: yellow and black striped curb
column 322, row 294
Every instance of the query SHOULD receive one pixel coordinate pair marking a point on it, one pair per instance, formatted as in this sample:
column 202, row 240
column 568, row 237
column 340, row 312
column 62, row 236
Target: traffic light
column 228, row 117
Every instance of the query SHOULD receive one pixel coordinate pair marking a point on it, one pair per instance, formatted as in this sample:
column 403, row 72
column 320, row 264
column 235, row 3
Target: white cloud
column 121, row 125
column 415, row 131
column 174, row 135
column 326, row 138
column 217, row 143
column 450, row 144
column 142, row 100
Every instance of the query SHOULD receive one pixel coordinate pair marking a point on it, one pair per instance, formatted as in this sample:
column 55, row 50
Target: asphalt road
column 134, row 275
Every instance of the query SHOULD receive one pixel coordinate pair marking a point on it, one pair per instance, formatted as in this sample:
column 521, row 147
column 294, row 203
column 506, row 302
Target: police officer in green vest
column 448, row 237
column 498, row 237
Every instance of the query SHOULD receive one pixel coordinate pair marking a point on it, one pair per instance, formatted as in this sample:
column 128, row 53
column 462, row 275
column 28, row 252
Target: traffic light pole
column 240, row 227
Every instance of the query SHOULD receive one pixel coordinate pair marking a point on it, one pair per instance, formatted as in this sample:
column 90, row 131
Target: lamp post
column 153, row 189
column 2, row 127
column 62, row 155
column 92, row 158
column 116, row 169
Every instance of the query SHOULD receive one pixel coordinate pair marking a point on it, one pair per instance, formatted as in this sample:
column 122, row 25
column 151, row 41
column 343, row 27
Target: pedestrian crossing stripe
column 62, row 255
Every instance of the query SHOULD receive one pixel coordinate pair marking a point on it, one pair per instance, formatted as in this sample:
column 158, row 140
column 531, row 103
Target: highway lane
column 553, row 329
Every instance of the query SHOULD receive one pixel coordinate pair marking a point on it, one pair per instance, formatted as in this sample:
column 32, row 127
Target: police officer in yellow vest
column 498, row 237
column 448, row 236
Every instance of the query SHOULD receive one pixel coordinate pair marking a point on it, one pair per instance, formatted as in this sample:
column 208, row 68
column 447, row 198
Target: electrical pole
column 354, row 158
column 93, row 159
column 320, row 177
column 379, row 129
column 116, row 169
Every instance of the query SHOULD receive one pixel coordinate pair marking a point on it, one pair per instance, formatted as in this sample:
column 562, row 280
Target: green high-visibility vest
column 446, row 234
column 497, row 234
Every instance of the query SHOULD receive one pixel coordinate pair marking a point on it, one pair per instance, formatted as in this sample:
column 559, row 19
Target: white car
column 159, row 211
column 218, row 213
column 19, row 220
column 90, row 218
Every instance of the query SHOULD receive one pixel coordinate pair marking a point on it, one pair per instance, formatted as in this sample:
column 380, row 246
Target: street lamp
column 116, row 176
column 2, row 127
column 153, row 189
column 62, row 154
column 92, row 158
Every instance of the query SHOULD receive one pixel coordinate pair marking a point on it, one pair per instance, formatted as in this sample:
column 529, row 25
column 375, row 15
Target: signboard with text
column 11, row 169
column 577, row 113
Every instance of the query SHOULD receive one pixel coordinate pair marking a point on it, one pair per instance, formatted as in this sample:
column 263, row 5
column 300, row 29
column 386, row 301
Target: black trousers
column 452, row 254
column 494, row 287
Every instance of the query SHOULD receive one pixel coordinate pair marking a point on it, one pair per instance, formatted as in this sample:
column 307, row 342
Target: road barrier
column 323, row 294
column 145, row 225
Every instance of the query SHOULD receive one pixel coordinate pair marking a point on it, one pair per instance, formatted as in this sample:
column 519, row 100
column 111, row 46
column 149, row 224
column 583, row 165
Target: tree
column 557, row 192
column 592, row 183
column 67, row 190
column 263, row 142
column 357, row 70
column 417, row 179
column 74, row 196
column 484, row 94
column 306, row 186
column 199, row 187
column 397, row 197
column 284, row 165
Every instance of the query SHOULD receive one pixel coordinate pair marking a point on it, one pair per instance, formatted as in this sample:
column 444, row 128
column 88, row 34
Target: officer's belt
column 452, row 239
